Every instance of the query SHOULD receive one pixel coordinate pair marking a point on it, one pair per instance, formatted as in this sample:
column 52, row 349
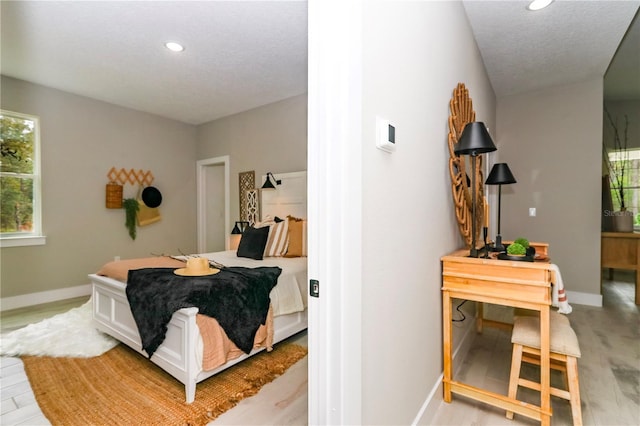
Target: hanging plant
column 131, row 208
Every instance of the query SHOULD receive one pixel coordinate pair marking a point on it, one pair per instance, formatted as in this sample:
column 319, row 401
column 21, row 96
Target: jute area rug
column 122, row 387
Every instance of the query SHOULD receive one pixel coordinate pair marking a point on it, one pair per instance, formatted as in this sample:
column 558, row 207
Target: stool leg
column 516, row 362
column 574, row 390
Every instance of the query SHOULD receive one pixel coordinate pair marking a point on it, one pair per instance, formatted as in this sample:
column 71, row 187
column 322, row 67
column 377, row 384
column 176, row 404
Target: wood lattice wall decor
column 246, row 182
column 462, row 112
column 253, row 206
column 132, row 176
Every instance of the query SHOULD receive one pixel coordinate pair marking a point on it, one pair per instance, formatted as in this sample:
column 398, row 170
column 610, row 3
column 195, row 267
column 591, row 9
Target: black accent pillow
column 253, row 242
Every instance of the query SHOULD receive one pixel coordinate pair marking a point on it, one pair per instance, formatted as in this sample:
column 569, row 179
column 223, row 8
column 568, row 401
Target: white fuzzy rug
column 70, row 334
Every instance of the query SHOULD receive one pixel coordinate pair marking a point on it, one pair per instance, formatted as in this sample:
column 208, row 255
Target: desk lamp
column 499, row 175
column 475, row 140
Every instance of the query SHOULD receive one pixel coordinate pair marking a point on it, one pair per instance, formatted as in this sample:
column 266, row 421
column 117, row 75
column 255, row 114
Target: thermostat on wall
column 385, row 135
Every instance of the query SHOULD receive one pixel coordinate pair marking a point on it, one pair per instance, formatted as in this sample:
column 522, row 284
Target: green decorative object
column 131, row 208
column 522, row 241
column 516, row 249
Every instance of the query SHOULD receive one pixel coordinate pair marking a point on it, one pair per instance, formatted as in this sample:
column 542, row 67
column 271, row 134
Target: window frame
column 36, row 236
column 629, row 155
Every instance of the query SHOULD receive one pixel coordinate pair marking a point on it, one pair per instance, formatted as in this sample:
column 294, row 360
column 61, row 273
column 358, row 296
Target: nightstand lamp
column 236, row 233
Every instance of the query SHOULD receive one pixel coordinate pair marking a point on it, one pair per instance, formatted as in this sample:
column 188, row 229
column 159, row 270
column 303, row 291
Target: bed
column 183, row 351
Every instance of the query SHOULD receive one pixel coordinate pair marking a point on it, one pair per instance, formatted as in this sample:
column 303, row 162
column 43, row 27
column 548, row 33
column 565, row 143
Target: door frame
column 334, row 172
column 201, row 195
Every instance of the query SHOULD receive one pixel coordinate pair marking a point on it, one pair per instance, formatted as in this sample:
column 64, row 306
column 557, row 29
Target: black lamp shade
column 475, row 139
column 237, row 230
column 268, row 184
column 500, row 175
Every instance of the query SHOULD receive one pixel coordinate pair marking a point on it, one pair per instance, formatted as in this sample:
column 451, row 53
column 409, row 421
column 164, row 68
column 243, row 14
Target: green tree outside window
column 18, row 173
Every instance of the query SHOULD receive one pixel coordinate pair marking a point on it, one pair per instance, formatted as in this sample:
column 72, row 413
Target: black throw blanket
column 237, row 297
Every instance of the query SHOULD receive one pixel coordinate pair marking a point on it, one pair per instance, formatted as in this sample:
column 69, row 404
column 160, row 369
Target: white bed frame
column 178, row 354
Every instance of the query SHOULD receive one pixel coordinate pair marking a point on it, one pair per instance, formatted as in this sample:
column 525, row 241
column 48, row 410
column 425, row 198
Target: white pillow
column 267, row 221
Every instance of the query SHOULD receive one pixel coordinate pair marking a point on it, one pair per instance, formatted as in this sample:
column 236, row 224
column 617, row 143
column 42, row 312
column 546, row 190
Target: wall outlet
column 385, row 135
column 532, row 211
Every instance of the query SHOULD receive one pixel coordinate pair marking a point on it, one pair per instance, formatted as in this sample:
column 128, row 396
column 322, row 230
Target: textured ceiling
column 568, row 41
column 240, row 55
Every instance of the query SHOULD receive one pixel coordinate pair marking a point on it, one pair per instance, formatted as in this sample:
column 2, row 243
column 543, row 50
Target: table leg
column 479, row 316
column 446, row 344
column 637, row 287
column 545, row 366
column 637, row 271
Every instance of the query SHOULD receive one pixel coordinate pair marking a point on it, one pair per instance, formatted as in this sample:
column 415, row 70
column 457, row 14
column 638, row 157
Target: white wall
column 81, row 139
column 552, row 141
column 414, row 55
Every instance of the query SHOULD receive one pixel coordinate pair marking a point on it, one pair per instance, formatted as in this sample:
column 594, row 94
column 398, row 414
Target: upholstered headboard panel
column 289, row 198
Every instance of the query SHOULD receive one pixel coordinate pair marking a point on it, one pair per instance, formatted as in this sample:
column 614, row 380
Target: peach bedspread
column 217, row 347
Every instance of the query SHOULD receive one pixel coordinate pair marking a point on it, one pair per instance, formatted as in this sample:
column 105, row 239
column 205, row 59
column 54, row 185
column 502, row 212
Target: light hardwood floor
column 609, row 368
column 281, row 402
column 609, row 373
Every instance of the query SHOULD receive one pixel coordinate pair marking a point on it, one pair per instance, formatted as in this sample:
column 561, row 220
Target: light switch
column 532, row 211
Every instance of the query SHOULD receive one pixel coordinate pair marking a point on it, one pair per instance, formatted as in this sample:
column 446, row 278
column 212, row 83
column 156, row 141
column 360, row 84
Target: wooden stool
column 564, row 354
column 554, row 316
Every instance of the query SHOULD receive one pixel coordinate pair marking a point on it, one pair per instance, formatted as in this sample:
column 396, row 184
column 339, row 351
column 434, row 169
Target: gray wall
column 81, row 139
column 552, row 141
column 411, row 65
column 271, row 138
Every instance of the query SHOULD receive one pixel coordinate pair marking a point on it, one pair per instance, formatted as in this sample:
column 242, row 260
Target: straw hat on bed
column 196, row 267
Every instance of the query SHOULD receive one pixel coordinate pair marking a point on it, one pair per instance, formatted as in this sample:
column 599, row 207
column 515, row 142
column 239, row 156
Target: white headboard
column 289, row 198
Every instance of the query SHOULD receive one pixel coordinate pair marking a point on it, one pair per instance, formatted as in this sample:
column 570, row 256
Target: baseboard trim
column 24, row 300
column 435, row 398
column 580, row 298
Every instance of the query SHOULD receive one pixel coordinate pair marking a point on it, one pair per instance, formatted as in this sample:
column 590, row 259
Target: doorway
column 213, row 204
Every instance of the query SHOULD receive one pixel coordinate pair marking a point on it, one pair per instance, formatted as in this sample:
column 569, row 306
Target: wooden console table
column 519, row 284
column 542, row 255
column 621, row 250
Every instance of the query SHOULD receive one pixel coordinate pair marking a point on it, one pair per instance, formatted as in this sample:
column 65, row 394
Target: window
column 629, row 161
column 20, row 216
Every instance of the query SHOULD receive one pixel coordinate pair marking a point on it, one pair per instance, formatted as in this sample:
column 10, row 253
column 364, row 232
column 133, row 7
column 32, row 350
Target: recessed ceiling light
column 539, row 4
column 173, row 46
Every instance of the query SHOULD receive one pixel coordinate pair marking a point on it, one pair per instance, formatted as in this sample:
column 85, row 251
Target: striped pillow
column 278, row 240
